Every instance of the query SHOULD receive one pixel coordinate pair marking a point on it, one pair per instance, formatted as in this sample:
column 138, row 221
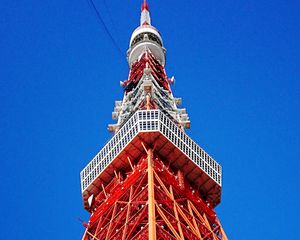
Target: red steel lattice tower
column 151, row 180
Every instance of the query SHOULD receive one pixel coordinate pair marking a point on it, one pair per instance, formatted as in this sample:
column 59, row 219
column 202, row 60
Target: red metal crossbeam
column 137, row 71
column 180, row 212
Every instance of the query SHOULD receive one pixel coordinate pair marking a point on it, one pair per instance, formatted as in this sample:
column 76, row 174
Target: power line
column 109, row 15
column 92, row 4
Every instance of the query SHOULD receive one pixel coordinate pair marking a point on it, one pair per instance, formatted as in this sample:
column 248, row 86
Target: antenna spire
column 145, row 15
column 145, row 6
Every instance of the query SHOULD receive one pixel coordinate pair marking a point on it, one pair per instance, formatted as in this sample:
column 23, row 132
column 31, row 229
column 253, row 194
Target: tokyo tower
column 151, row 180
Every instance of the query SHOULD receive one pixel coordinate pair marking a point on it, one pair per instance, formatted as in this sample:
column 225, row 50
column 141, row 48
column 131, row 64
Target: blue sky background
column 236, row 65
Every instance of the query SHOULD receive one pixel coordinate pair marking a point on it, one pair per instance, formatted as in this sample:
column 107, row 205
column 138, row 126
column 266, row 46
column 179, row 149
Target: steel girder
column 151, row 201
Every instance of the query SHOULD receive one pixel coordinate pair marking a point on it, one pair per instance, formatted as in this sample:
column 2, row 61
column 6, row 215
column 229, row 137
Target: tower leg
column 84, row 235
column 151, row 200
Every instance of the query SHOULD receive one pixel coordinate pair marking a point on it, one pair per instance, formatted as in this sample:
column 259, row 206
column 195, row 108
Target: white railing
column 149, row 121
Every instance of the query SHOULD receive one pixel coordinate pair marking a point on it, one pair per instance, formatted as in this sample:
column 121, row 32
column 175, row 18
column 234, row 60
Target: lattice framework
column 152, row 197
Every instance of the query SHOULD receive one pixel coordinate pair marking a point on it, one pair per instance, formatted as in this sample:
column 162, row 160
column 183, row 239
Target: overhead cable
column 92, row 4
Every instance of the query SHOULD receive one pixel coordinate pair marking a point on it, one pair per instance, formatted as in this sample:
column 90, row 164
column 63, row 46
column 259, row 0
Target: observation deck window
column 140, row 37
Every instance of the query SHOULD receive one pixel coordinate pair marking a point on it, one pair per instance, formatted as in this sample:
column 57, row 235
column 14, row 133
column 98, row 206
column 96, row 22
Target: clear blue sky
column 236, row 65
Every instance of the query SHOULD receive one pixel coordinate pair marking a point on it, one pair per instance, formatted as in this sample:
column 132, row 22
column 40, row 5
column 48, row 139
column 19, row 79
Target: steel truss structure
column 151, row 180
column 152, row 202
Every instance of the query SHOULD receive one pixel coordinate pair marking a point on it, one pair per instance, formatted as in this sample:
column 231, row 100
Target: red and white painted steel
column 151, row 180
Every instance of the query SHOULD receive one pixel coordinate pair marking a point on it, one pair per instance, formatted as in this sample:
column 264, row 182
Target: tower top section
column 145, row 6
column 146, row 37
column 145, row 15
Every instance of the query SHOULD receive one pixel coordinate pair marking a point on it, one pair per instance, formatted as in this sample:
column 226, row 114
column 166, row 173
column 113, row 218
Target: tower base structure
column 156, row 201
